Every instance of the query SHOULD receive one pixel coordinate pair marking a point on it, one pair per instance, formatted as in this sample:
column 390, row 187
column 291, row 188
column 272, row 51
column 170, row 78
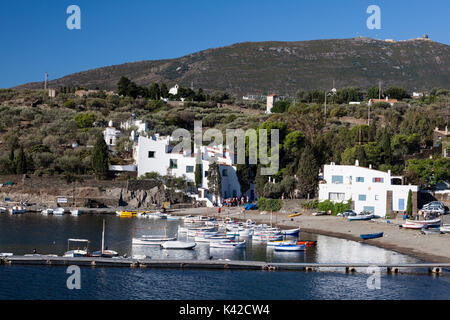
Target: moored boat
column 46, row 212
column 75, row 212
column 152, row 240
column 180, row 245
column 430, row 231
column 360, row 217
column 280, row 242
column 58, row 212
column 16, row 210
column 77, row 252
column 308, row 243
column 228, row 244
column 290, row 247
column 371, row 235
column 291, row 232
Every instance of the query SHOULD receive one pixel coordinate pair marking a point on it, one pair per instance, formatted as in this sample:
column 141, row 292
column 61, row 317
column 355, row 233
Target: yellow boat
column 128, row 214
column 294, row 215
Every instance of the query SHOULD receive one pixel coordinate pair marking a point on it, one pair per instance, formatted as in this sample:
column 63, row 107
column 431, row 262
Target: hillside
column 285, row 67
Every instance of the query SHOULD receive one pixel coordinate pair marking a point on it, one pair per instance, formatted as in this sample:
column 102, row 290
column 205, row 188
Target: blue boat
column 371, row 235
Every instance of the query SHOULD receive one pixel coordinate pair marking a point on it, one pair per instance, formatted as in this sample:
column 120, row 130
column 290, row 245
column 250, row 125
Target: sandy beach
column 430, row 248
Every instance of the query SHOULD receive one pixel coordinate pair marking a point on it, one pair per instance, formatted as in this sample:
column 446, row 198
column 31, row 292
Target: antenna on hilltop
column 45, row 82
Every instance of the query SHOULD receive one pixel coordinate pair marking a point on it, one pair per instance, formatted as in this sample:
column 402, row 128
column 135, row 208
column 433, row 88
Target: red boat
column 307, row 243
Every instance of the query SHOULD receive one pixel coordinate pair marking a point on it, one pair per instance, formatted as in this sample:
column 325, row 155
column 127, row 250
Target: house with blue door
column 368, row 189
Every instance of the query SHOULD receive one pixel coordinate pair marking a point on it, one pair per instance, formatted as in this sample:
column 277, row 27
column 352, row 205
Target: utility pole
column 379, row 90
column 45, row 82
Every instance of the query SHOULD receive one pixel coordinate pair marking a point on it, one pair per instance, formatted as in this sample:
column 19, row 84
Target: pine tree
column 100, row 158
column 307, row 173
column 214, row 179
column 21, row 162
column 409, row 204
column 360, row 155
column 198, row 175
column 386, row 147
column 12, row 168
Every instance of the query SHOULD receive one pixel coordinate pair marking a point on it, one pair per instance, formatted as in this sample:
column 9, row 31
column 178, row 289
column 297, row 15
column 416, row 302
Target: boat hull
column 371, row 236
column 293, row 247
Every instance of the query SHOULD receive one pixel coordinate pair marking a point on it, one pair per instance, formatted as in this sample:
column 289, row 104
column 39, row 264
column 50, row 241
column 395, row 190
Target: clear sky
column 34, row 38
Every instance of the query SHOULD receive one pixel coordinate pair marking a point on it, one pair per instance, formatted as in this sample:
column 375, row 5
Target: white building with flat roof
column 271, row 99
column 155, row 154
column 111, row 134
column 368, row 189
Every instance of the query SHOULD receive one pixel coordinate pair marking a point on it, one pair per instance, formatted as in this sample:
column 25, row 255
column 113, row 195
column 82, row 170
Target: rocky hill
column 285, row 67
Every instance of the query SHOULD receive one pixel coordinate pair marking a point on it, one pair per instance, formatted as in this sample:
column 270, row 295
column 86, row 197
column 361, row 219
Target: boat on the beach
column 3, row 210
column 228, row 244
column 180, row 245
column 360, row 217
column 290, row 247
column 445, row 228
column 430, row 231
column 371, row 235
column 419, row 224
column 77, row 252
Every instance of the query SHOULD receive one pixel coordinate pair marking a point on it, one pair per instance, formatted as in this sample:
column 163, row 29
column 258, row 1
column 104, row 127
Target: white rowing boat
column 228, row 244
column 152, row 240
column 180, row 245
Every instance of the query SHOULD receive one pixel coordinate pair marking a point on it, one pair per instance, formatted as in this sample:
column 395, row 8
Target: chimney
column 357, row 163
column 370, row 166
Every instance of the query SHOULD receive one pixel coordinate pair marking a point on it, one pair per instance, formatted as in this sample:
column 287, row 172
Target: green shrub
column 265, row 204
column 334, row 207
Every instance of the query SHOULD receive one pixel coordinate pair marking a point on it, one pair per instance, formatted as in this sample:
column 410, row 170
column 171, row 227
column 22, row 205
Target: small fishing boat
column 46, row 212
column 77, row 252
column 58, row 212
column 5, row 254
column 280, row 242
column 371, row 235
column 75, row 212
column 171, row 217
column 290, row 247
column 430, row 231
column 240, row 232
column 360, row 217
column 127, row 214
column 16, row 210
column 445, row 228
column 294, row 215
column 291, row 232
column 419, row 224
column 152, row 240
column 266, row 237
column 308, row 243
column 104, row 253
column 2, row 210
column 180, row 245
column 228, row 244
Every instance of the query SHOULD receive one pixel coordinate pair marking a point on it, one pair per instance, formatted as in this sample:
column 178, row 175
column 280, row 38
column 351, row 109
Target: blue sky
column 34, row 38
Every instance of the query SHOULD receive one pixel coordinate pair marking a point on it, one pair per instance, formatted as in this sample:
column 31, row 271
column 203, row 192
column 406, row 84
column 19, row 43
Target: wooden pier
column 51, row 260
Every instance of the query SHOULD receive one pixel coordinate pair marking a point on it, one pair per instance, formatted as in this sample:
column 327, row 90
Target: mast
column 103, row 236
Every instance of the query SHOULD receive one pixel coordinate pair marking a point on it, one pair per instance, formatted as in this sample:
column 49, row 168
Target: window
column 378, row 180
column 362, row 197
column 173, row 164
column 151, row 154
column 206, row 174
column 377, row 197
column 359, row 179
column 337, row 179
column 336, row 196
column 369, row 209
column 224, row 173
column 189, row 169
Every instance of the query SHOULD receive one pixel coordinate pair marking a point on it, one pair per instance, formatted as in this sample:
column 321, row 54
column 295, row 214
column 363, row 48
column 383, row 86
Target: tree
column 396, row 93
column 198, row 174
column 409, row 204
column 164, row 91
column 373, row 93
column 386, row 147
column 155, row 91
column 100, row 158
column 360, row 155
column 21, row 162
column 85, row 120
column 244, row 175
column 214, row 179
column 307, row 173
column 281, row 106
column 123, row 86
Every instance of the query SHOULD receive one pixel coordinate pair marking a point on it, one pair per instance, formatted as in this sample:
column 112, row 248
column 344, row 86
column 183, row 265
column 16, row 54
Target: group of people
column 235, row 201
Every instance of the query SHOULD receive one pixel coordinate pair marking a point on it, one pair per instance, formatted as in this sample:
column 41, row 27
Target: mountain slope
column 285, row 67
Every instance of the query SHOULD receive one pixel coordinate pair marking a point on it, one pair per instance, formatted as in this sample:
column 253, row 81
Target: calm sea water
column 48, row 235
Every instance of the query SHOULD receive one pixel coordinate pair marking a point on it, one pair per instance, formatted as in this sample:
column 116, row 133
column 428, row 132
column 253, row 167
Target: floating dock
column 51, row 260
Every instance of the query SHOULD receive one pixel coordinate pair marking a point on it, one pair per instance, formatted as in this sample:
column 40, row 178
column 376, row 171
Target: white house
column 369, row 189
column 271, row 99
column 111, row 135
column 155, row 154
column 174, row 90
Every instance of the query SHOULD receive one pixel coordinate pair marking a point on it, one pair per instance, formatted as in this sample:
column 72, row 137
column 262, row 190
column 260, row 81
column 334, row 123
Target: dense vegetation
column 42, row 135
